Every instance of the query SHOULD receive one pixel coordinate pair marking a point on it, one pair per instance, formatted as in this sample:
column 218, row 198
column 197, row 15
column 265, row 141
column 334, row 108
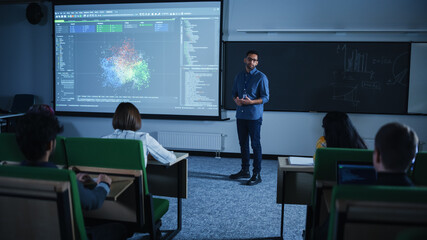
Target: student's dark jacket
column 393, row 179
column 89, row 199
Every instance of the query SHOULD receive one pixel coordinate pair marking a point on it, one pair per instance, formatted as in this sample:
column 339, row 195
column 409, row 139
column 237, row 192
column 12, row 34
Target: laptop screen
column 356, row 173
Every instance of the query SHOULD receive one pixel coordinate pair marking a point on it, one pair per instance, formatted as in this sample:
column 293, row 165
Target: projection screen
column 163, row 57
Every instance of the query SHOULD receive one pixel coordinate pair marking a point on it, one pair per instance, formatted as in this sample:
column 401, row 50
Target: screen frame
column 217, row 117
column 362, row 164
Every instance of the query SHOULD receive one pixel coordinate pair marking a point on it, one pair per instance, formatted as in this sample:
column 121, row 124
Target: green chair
column 419, row 176
column 123, row 159
column 324, row 178
column 9, row 148
column 412, row 234
column 376, row 212
column 10, row 151
column 39, row 203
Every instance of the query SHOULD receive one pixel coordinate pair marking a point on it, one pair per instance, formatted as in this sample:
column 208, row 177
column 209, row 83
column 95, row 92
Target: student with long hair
column 339, row 132
column 127, row 122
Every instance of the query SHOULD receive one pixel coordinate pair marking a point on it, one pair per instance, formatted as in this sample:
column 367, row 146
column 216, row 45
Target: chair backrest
column 324, row 177
column 10, row 150
column 108, row 153
column 22, row 102
column 419, row 176
column 326, row 160
column 376, row 212
column 121, row 157
column 39, row 203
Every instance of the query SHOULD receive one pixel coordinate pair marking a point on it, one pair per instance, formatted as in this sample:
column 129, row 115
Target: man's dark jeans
column 252, row 129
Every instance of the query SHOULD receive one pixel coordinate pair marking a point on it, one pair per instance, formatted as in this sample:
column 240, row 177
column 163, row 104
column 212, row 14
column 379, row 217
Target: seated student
column 126, row 123
column 339, row 132
column 395, row 148
column 36, row 137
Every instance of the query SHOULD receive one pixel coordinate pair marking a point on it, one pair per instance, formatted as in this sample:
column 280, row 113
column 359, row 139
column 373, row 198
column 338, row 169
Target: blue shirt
column 255, row 85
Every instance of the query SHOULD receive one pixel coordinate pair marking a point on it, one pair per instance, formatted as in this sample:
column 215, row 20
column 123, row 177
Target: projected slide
column 163, row 57
column 124, row 67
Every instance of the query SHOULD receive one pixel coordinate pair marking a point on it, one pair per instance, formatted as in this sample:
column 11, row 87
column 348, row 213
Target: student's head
column 395, row 147
column 251, row 59
column 340, row 132
column 43, row 108
column 127, row 117
column 36, row 132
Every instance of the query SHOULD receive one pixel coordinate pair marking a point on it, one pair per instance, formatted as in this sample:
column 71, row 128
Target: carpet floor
column 220, row 208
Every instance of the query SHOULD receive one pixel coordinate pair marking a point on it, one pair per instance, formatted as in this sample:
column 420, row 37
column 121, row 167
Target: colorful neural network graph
column 125, row 66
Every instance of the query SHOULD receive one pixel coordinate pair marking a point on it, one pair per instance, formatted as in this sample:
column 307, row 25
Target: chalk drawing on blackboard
column 371, row 85
column 346, row 93
column 356, row 62
column 399, row 74
column 356, row 75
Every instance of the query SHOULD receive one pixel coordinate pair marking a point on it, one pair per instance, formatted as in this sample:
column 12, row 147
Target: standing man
column 250, row 93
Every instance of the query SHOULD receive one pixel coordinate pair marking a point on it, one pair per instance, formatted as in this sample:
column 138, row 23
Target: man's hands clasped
column 243, row 101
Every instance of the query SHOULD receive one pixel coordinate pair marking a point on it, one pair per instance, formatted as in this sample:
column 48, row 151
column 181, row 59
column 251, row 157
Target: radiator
column 190, row 141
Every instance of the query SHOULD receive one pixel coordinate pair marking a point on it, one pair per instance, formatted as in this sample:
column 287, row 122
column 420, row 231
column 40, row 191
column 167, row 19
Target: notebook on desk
column 179, row 156
column 303, row 161
column 355, row 173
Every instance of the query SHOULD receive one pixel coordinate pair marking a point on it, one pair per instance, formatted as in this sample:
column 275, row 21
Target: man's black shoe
column 241, row 174
column 255, row 179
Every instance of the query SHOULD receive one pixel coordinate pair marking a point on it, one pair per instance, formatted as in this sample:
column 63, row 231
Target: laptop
column 356, row 173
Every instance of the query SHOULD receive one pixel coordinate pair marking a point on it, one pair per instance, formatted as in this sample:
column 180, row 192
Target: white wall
column 26, row 64
column 325, row 14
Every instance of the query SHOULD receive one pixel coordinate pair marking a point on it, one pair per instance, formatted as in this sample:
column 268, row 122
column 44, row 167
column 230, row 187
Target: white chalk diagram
column 398, row 76
column 357, row 76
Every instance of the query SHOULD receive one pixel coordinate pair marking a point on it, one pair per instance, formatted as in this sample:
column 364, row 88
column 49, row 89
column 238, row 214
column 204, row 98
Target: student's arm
column 321, row 142
column 157, row 151
column 93, row 199
column 235, row 93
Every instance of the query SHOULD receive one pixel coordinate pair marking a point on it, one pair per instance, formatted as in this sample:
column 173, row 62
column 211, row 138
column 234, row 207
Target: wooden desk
column 11, row 115
column 170, row 181
column 294, row 185
column 122, row 203
column 324, row 190
column 327, row 196
column 119, row 184
column 167, row 181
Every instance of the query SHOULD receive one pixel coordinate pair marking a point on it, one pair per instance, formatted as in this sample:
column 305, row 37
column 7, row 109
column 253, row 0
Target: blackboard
column 355, row 77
